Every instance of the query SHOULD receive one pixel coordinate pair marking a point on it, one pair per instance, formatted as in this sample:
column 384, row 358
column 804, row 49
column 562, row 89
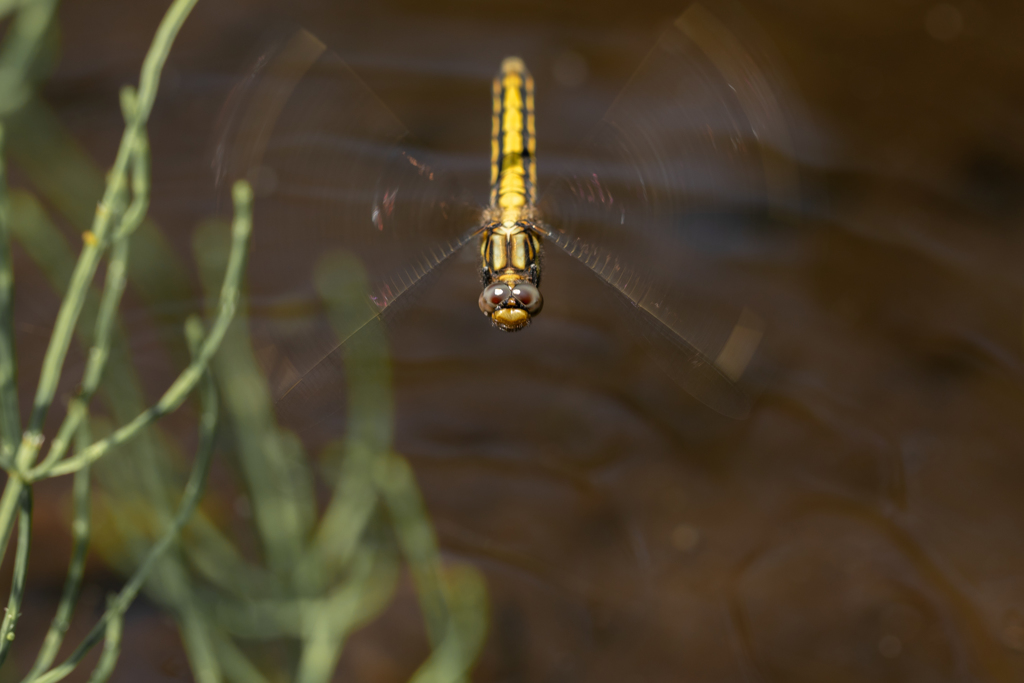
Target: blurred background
column 863, row 524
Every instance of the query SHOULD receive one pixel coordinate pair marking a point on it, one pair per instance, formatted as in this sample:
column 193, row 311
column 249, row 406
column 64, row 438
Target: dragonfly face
column 691, row 159
column 511, row 305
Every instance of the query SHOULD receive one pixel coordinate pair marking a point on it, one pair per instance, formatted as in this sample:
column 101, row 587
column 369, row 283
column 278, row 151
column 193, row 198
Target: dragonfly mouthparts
column 511, row 318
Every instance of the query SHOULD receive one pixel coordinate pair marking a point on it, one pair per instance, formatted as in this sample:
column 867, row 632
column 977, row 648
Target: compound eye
column 492, row 296
column 529, row 296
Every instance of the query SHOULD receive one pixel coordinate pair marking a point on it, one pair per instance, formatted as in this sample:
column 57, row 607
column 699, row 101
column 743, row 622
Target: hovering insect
column 511, row 237
column 695, row 144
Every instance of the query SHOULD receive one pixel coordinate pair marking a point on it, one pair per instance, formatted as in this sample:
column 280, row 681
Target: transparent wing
column 332, row 171
column 693, row 153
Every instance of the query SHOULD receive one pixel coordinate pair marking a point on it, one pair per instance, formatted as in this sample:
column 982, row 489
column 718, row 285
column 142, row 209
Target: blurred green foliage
column 324, row 570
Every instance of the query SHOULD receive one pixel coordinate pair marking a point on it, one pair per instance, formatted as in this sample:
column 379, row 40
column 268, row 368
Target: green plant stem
column 328, row 623
column 85, row 268
column 67, row 316
column 20, row 569
column 217, row 561
column 190, row 499
column 297, row 617
column 111, row 650
column 13, row 489
column 195, row 632
column 140, row 183
column 80, row 533
column 278, row 481
column 237, row 666
column 467, row 626
column 21, row 46
column 112, row 293
column 341, row 280
column 194, row 626
column 78, row 408
column 186, row 381
column 394, row 478
column 271, row 460
column 65, row 177
column 10, row 419
column 349, row 512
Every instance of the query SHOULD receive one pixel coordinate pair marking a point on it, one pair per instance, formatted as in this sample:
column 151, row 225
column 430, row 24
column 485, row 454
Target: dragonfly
column 697, row 137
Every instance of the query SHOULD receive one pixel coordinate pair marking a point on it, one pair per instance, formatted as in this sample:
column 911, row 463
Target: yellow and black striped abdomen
column 513, row 141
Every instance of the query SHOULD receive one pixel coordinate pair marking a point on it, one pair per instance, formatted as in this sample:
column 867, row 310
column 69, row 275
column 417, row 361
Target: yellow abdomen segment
column 513, row 140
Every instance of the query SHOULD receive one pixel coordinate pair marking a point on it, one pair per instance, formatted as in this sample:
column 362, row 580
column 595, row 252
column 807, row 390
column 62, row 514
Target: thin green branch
column 277, row 477
column 195, row 633
column 212, row 555
column 237, row 666
column 340, row 532
column 394, row 478
column 78, row 408
column 328, row 623
column 190, row 499
column 451, row 659
column 276, row 474
column 186, row 381
column 193, row 624
column 10, row 419
column 140, row 182
column 342, row 283
column 106, row 212
column 453, row 602
column 80, row 534
column 66, row 178
column 53, row 361
column 112, row 292
column 111, row 650
column 21, row 47
column 8, row 6
column 253, row 619
column 13, row 489
column 153, row 64
column 12, row 612
column 297, row 617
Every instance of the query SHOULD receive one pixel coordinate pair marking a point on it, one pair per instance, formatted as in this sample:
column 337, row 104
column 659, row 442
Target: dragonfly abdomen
column 513, row 141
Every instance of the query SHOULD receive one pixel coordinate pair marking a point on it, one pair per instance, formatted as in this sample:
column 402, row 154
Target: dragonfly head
column 510, row 305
